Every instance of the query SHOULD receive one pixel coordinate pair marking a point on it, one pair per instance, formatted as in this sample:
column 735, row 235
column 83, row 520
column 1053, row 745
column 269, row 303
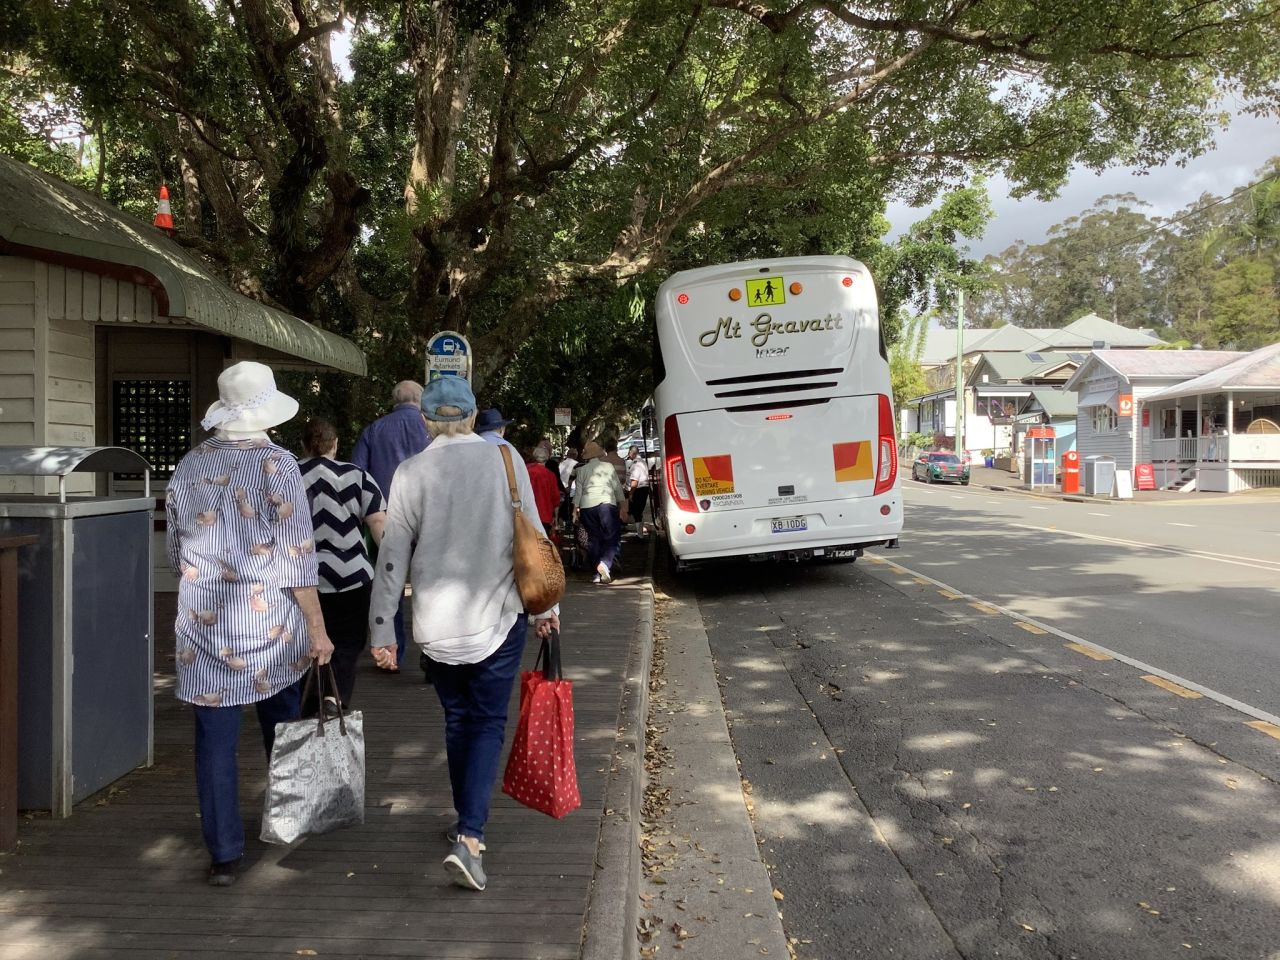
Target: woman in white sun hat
column 249, row 622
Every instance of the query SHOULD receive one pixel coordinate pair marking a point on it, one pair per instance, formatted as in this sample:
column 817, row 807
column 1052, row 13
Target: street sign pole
column 960, row 448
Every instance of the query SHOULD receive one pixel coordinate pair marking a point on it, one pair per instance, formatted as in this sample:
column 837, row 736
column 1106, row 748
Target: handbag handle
column 548, row 662
column 333, row 689
column 516, row 503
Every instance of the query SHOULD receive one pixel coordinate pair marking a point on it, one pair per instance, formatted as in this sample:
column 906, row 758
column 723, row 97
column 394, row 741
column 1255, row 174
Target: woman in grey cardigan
column 449, row 528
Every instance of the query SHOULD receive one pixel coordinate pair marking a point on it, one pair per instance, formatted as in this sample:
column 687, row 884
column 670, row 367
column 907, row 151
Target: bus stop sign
column 448, row 355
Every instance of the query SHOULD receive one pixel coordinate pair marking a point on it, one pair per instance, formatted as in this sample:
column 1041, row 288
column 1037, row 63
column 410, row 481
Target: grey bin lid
column 60, row 461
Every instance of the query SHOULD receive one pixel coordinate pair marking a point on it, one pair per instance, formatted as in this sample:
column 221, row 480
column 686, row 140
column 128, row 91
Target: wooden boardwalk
column 124, row 876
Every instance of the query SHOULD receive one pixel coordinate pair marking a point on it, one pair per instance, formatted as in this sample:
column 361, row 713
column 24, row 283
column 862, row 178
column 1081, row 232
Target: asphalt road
column 1192, row 589
column 931, row 779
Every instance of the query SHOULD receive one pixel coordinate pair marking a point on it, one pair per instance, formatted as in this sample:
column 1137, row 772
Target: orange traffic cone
column 164, row 216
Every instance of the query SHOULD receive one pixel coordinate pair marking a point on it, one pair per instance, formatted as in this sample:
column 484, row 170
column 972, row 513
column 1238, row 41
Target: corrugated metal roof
column 940, row 345
column 1259, row 370
column 1154, row 364
column 41, row 215
column 1056, row 403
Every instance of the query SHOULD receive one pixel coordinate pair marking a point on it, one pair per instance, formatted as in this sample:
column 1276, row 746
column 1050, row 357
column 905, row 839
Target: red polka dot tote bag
column 540, row 771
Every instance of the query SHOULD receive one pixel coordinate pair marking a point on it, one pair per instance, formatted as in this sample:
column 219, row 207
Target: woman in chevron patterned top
column 344, row 500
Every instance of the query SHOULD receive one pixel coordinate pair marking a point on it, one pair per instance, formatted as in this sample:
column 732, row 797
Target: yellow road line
column 1091, row 653
column 1270, row 729
column 923, row 583
column 1172, row 687
column 1031, row 628
column 983, row 608
column 951, row 594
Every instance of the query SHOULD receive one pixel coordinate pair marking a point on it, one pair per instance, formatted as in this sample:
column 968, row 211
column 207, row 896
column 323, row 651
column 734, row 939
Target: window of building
column 1105, row 420
column 152, row 418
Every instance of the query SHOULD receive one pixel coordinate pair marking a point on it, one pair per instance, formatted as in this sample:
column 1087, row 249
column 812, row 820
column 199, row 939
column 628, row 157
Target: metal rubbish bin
column 85, row 646
column 1099, row 476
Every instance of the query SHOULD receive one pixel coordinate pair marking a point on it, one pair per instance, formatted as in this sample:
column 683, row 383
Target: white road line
column 1256, row 562
column 1034, row 507
column 1212, row 694
column 1172, row 524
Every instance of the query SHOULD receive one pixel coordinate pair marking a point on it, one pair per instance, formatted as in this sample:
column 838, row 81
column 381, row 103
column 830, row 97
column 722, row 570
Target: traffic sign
column 448, row 355
column 564, row 417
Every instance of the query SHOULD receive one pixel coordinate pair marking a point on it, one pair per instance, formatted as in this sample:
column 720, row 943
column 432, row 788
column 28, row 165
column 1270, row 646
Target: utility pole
column 960, row 449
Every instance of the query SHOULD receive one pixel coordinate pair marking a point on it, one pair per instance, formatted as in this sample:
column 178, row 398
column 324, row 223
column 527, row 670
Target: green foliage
column 1207, row 276
column 905, row 374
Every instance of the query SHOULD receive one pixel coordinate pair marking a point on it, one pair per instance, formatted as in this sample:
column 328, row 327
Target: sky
column 1241, row 149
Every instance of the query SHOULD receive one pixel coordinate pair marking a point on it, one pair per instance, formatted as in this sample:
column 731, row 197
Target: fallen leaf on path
column 1027, row 927
column 777, row 895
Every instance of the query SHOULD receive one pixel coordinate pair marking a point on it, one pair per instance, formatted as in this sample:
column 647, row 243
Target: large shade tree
column 506, row 168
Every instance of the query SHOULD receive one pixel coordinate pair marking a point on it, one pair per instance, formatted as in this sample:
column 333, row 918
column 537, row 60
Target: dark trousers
column 346, row 620
column 398, row 623
column 218, row 772
column 639, row 499
column 474, row 697
column 604, row 533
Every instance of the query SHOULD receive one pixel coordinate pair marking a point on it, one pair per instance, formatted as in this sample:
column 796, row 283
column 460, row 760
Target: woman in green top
column 598, row 504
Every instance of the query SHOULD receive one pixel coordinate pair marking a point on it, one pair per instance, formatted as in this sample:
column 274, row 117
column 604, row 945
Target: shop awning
column 46, row 219
column 1100, row 398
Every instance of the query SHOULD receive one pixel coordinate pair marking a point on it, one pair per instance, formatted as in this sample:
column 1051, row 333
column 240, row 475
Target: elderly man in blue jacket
column 383, row 446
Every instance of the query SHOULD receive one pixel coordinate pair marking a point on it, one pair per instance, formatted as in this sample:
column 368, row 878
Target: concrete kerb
column 613, row 903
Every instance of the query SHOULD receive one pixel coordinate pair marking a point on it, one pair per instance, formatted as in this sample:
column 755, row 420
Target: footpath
column 123, row 877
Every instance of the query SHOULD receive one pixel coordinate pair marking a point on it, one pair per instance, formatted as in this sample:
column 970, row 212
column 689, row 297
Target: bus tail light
column 887, row 472
column 677, row 476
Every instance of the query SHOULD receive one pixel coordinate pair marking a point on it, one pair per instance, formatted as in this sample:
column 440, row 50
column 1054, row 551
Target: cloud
column 1242, row 148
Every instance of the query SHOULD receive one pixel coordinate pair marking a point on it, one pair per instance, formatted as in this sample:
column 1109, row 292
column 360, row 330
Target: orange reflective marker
column 796, row 288
column 735, row 294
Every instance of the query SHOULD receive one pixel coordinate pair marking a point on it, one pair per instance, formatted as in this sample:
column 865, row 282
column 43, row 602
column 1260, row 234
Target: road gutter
column 613, row 902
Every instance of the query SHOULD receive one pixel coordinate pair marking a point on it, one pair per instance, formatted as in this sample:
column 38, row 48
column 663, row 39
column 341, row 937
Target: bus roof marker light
column 682, row 299
column 796, row 288
column 735, row 294
column 847, row 281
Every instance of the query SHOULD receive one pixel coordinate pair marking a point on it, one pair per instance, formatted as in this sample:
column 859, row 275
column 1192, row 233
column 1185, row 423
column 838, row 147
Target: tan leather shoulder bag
column 538, row 570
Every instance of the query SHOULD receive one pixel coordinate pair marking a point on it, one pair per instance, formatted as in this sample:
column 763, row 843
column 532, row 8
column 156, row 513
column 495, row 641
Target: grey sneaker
column 452, row 836
column 464, row 869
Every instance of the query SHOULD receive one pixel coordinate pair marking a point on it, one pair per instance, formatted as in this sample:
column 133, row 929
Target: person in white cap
column 249, row 620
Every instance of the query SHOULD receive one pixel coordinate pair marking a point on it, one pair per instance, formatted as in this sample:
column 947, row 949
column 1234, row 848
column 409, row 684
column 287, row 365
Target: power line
column 1192, row 212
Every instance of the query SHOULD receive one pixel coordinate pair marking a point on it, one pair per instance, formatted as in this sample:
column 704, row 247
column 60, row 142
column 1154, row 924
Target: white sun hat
column 248, row 400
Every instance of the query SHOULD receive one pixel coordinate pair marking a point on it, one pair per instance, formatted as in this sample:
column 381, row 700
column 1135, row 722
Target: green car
column 940, row 466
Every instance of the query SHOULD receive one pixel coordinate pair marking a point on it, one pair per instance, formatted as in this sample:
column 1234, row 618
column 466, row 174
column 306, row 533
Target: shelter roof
column 44, row 218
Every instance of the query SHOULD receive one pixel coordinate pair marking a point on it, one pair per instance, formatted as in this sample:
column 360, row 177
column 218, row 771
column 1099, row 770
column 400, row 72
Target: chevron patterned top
column 341, row 496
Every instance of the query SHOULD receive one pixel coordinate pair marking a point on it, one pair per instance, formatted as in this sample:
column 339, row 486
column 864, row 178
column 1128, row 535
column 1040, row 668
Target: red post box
column 1071, row 472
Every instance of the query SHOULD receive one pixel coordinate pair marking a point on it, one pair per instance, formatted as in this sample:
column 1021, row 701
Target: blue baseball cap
column 450, row 391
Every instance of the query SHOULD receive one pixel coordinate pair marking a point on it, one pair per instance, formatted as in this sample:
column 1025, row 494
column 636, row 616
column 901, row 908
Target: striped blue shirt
column 239, row 537
column 342, row 496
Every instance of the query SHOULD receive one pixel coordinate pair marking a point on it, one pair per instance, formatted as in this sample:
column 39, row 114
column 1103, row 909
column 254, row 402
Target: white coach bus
column 774, row 408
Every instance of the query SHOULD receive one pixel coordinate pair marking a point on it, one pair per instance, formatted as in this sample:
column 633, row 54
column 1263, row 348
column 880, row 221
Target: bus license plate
column 789, row 524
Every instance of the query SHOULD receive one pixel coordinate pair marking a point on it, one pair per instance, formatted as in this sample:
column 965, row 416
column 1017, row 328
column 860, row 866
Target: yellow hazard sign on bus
column 713, row 476
column 766, row 292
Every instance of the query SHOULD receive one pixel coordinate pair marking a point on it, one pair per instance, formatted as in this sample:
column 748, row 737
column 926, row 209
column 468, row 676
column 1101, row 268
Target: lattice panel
column 153, row 418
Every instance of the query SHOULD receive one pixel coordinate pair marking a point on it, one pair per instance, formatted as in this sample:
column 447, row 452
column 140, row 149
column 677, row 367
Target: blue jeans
column 398, row 623
column 604, row 534
column 474, row 697
column 218, row 774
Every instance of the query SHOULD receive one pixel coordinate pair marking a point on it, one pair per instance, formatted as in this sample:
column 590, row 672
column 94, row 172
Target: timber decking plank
column 123, row 877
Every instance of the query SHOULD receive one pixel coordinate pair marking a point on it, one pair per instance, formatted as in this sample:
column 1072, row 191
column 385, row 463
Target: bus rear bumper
column 747, row 533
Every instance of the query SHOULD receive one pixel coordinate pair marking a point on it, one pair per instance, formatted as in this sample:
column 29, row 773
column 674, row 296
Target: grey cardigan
column 449, row 530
